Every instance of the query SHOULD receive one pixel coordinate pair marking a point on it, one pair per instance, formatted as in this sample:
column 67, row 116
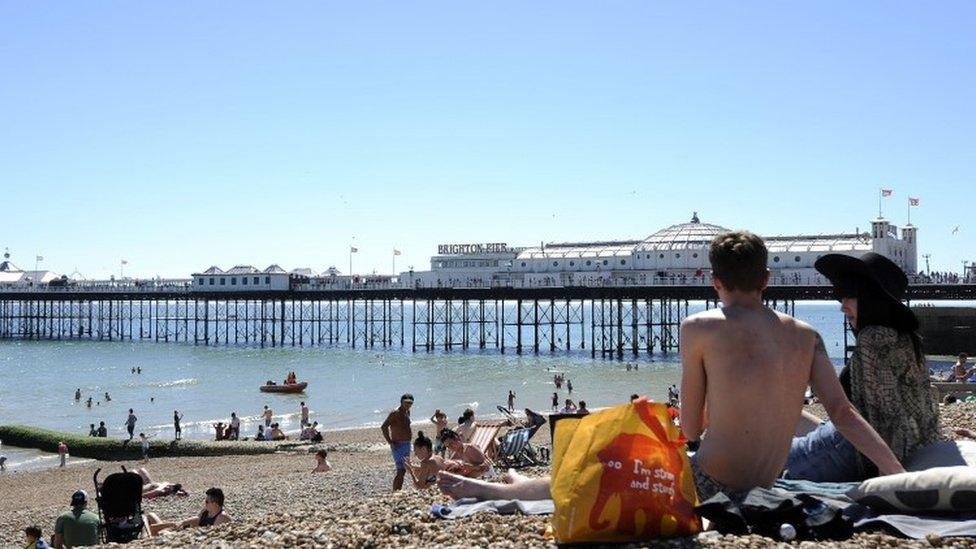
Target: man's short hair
column 217, row 495
column 739, row 260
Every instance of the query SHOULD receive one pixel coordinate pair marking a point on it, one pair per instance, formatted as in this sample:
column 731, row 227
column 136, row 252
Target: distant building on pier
column 676, row 252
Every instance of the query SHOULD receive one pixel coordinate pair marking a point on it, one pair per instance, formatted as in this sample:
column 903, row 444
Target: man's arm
column 385, row 428
column 692, row 383
column 823, row 380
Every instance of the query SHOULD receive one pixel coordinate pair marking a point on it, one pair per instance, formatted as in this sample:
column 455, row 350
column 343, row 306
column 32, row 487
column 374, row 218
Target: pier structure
column 612, row 322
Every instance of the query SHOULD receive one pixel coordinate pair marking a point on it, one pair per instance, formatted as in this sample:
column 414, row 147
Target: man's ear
column 716, row 283
column 765, row 281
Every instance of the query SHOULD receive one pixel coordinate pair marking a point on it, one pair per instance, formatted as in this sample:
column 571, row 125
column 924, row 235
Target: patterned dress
column 891, row 390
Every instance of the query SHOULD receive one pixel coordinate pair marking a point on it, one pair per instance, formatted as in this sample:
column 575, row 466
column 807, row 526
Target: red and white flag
column 353, row 249
column 886, row 192
column 912, row 201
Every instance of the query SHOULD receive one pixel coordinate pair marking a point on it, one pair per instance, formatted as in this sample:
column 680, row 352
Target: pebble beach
column 276, row 502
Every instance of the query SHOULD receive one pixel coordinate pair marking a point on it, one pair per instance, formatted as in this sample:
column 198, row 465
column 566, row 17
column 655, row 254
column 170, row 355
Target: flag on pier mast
column 396, row 251
column 912, row 202
column 885, row 193
column 39, row 258
column 353, row 249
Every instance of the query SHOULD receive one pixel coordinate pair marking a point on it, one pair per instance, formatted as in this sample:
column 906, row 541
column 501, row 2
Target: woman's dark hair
column 423, row 442
column 448, row 434
column 874, row 308
column 217, row 495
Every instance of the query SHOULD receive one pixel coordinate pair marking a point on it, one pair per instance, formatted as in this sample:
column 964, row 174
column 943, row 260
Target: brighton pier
column 611, row 299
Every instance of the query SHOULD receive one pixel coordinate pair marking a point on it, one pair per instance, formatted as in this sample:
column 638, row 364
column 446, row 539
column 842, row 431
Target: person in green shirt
column 77, row 527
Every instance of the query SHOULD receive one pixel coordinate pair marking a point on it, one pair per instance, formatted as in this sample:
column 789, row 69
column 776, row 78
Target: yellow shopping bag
column 622, row 474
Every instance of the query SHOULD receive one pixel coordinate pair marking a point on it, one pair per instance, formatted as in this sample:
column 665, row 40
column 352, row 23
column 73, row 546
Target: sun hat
column 876, row 269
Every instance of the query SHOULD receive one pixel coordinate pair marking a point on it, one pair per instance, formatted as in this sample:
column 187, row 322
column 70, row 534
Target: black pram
column 119, row 500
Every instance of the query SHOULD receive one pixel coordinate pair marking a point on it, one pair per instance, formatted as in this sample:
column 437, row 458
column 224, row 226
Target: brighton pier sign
column 470, row 249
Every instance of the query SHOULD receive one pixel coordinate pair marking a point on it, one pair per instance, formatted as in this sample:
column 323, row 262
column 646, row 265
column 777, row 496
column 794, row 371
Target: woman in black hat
column 887, row 379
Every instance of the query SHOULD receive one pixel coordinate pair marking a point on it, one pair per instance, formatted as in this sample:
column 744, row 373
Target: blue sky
column 183, row 134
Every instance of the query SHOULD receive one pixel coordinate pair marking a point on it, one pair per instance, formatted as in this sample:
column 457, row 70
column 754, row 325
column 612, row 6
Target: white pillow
column 936, row 489
column 943, row 454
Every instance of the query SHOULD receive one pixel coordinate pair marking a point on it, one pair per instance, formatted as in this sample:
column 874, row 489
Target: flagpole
column 394, row 263
column 909, row 210
column 880, row 195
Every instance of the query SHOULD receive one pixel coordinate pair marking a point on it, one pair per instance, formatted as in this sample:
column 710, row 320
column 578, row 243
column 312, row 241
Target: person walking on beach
column 62, row 453
column 177, row 417
column 268, row 415
column 555, row 401
column 130, row 424
column 511, row 401
column 397, row 432
column 304, row 410
column 569, row 386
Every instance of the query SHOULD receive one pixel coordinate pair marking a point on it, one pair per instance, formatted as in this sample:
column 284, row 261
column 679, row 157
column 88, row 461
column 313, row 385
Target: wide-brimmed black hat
column 875, row 268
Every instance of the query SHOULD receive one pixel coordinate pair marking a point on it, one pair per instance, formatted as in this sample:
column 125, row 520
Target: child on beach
column 322, row 464
column 145, row 447
column 62, row 452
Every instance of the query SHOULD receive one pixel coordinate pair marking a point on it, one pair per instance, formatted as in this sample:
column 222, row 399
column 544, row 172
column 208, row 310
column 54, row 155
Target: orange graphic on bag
column 622, row 474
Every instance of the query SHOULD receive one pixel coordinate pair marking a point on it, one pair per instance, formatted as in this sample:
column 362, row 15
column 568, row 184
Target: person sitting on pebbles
column 212, row 515
column 425, row 475
column 322, row 464
column 466, row 459
column 277, row 433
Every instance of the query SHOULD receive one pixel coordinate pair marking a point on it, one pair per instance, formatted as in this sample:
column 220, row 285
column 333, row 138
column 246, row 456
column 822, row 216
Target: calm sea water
column 347, row 388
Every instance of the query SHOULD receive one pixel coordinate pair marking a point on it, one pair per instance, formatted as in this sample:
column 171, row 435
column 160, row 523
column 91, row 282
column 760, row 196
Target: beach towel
column 469, row 506
column 766, row 512
column 622, row 475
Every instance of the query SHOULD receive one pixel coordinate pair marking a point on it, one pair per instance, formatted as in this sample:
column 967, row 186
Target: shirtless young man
column 396, row 430
column 743, row 352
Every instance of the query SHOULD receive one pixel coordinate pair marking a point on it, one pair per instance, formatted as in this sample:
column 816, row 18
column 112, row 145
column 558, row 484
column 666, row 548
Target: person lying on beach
column 322, row 464
column 152, row 489
column 425, row 475
column 466, row 459
column 212, row 515
column 780, row 356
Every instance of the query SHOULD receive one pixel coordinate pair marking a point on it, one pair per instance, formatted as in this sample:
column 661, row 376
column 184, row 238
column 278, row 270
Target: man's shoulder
column 703, row 318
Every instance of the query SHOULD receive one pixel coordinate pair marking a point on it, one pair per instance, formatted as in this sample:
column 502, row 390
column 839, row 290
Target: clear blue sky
column 183, row 134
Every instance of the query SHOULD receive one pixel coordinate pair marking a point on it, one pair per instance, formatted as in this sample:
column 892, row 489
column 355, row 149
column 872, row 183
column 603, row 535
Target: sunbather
column 277, row 433
column 466, row 459
column 212, row 515
column 466, row 425
column 887, row 379
column 322, row 464
column 152, row 489
column 425, row 475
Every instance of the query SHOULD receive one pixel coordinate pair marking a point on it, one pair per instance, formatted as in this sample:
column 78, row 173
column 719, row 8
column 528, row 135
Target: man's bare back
column 746, row 369
column 752, row 365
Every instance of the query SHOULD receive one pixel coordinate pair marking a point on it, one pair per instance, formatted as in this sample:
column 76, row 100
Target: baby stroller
column 119, row 500
column 515, row 449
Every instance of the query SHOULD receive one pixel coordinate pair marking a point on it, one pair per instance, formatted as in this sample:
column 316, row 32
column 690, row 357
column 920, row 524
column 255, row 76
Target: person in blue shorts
column 396, row 430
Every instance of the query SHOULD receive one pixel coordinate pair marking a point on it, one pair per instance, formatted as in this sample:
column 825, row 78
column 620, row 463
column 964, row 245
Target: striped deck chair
column 485, row 437
column 515, row 449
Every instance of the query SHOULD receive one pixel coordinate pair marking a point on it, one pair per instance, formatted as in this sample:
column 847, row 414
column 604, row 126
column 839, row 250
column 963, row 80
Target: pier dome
column 682, row 236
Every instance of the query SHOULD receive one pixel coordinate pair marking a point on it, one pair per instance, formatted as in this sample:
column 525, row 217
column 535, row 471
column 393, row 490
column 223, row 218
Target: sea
column 348, row 388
